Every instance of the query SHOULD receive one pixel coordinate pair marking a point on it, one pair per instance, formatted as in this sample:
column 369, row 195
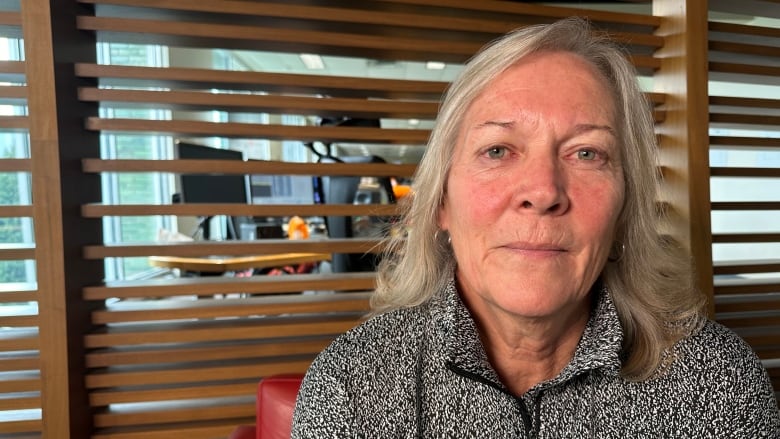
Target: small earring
column 619, row 249
column 436, row 236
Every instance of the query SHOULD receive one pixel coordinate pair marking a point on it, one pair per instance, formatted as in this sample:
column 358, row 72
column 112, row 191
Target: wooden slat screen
column 745, row 224
column 161, row 365
column 86, row 351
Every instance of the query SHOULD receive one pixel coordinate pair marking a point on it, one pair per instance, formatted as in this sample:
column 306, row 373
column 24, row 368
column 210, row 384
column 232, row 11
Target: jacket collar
column 598, row 348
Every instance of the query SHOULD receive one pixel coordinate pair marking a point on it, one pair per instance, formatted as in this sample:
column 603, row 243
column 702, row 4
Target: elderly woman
column 534, row 295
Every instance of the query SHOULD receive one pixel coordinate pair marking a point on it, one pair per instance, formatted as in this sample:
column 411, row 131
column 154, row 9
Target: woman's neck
column 525, row 352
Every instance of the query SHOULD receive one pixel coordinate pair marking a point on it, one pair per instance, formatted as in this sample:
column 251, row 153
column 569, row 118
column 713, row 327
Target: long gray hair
column 651, row 282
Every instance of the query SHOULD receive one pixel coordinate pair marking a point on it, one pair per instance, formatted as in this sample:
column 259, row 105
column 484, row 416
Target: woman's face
column 535, row 188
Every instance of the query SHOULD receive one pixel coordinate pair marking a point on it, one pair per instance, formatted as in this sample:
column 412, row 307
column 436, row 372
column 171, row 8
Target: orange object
column 401, row 190
column 297, row 228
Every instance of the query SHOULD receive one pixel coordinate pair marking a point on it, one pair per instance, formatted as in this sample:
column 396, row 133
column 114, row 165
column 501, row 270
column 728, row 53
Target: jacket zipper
column 528, row 426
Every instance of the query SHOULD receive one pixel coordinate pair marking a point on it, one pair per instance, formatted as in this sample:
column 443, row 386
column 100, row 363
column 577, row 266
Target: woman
column 534, row 296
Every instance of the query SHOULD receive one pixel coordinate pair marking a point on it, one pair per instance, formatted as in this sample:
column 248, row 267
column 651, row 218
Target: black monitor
column 211, row 187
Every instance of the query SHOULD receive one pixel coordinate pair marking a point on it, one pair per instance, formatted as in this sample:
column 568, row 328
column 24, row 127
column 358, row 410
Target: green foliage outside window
column 10, row 228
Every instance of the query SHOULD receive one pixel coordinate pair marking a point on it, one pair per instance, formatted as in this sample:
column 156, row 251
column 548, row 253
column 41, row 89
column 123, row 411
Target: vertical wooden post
column 58, row 140
column 47, row 216
column 684, row 138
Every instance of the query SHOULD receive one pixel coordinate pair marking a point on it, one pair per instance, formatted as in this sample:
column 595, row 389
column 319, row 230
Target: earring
column 618, row 248
column 436, row 236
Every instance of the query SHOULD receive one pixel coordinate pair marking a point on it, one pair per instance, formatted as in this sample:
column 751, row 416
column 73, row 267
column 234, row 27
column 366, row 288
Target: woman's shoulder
column 384, row 338
column 722, row 368
column 714, row 344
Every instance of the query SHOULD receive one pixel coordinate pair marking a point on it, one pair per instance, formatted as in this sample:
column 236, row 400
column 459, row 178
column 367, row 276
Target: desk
column 222, row 264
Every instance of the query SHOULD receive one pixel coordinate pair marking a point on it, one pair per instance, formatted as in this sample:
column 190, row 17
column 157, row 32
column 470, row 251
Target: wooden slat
column 744, row 119
column 19, row 361
column 744, row 49
column 743, row 29
column 745, row 205
column 101, row 210
column 744, row 172
column 12, row 71
column 17, row 296
column 247, row 130
column 248, row 329
column 19, row 321
column 751, row 306
column 734, row 101
column 22, row 427
column 17, row 292
column 213, row 373
column 19, row 340
column 194, row 100
column 19, row 403
column 741, row 267
column 191, row 78
column 208, row 286
column 12, row 123
column 14, row 93
column 728, row 285
column 10, row 18
column 720, row 238
column 235, row 248
column 217, row 308
column 749, row 142
column 205, row 352
column 15, row 211
column 105, row 397
column 17, row 382
column 760, row 338
column 15, row 165
column 249, row 167
column 744, row 69
column 182, row 413
column 194, row 429
column 536, row 9
column 13, row 252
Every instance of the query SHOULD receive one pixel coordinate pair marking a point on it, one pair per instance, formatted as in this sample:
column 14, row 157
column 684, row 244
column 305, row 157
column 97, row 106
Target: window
column 15, row 187
column 134, row 188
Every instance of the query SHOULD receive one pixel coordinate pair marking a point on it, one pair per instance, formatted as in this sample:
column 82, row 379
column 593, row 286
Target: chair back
column 275, row 405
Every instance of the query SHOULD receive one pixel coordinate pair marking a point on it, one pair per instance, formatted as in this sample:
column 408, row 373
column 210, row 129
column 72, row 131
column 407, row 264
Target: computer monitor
column 211, row 187
column 281, row 189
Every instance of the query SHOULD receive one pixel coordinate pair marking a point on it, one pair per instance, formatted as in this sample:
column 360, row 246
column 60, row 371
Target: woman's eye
column 496, row 152
column 587, row 154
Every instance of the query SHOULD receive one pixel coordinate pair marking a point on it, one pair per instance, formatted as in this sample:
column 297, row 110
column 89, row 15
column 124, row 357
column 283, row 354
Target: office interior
column 97, row 96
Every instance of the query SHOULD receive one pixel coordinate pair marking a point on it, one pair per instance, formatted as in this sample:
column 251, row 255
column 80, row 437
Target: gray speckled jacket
column 423, row 373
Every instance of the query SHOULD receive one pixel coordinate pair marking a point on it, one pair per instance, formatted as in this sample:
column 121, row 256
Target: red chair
column 275, row 404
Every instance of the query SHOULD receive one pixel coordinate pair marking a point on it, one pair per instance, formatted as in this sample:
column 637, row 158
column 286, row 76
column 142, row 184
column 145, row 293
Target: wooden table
column 222, row 264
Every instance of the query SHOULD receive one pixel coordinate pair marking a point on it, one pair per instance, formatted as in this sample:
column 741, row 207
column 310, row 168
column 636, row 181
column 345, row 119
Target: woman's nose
column 542, row 188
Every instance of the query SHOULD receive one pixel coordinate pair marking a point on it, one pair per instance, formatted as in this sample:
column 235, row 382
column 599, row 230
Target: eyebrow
column 578, row 129
column 495, row 123
column 581, row 128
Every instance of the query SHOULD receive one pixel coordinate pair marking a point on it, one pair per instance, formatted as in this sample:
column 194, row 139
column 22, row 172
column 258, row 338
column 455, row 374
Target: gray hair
column 651, row 283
